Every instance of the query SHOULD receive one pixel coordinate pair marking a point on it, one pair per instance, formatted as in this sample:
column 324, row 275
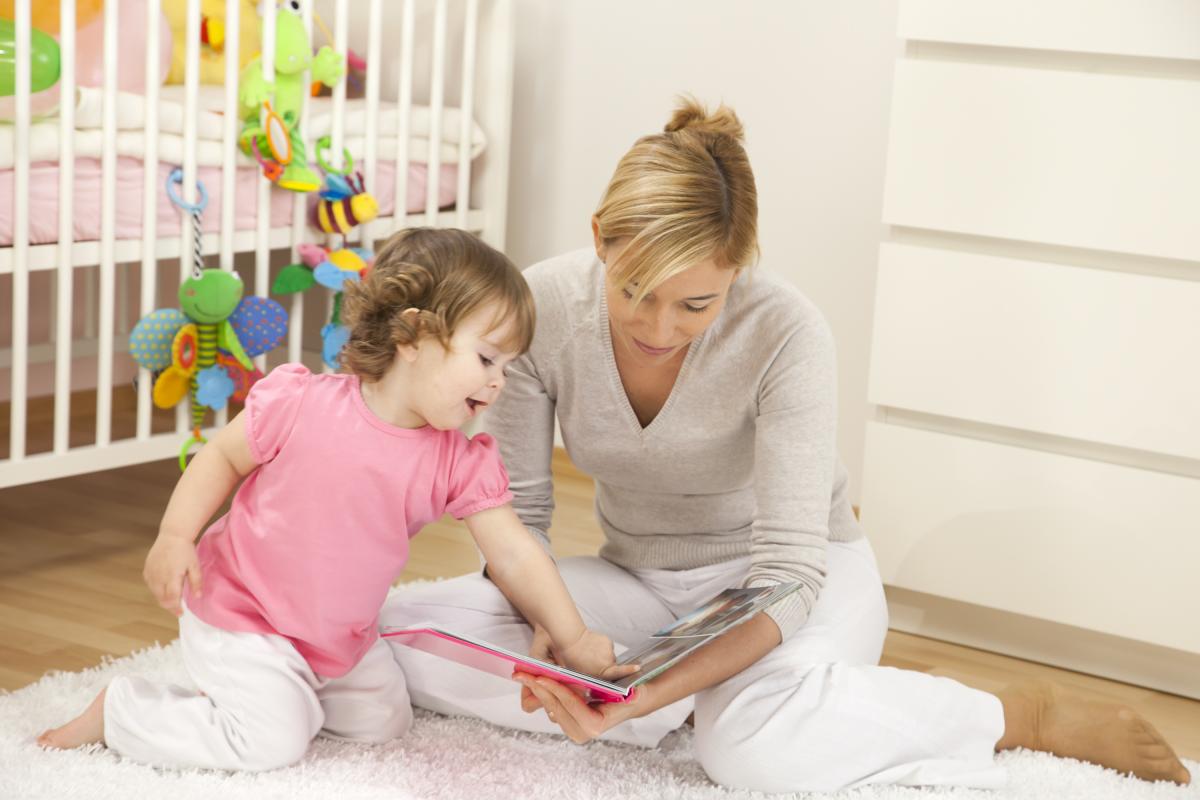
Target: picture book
column 659, row 652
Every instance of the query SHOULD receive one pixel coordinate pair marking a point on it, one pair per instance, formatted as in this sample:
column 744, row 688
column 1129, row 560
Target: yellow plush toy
column 212, row 37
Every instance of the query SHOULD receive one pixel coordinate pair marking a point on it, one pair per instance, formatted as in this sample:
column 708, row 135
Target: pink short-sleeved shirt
column 316, row 535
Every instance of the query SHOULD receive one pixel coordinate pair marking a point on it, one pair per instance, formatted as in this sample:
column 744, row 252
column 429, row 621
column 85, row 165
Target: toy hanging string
column 193, row 209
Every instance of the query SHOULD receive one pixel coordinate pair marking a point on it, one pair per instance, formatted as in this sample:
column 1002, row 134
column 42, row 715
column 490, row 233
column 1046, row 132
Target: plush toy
column 356, row 79
column 90, row 62
column 332, row 268
column 345, row 202
column 205, row 346
column 212, row 37
column 280, row 136
column 46, row 14
column 356, row 72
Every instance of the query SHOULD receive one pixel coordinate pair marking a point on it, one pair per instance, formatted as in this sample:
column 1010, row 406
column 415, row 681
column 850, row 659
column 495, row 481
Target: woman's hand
column 566, row 708
column 168, row 562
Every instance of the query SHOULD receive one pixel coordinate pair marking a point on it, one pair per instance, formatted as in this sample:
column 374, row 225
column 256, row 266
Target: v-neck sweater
column 740, row 461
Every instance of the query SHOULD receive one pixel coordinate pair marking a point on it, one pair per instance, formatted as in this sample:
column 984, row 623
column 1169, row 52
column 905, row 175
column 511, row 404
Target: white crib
column 438, row 91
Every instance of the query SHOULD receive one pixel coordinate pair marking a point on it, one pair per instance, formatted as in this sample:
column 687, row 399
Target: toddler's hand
column 592, row 654
column 169, row 561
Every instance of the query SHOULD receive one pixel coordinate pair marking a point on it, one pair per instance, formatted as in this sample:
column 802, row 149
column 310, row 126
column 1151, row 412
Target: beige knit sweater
column 739, row 461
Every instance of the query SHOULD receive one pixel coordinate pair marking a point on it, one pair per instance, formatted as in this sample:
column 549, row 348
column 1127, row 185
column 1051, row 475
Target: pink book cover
column 660, row 651
column 499, row 661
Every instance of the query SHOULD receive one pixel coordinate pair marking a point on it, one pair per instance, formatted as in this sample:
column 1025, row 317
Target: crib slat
column 436, row 101
column 229, row 132
column 462, row 197
column 496, row 119
column 338, row 132
column 404, row 102
column 108, row 228
column 20, row 284
column 340, row 37
column 300, row 230
column 191, row 101
column 371, row 156
column 188, row 191
column 151, row 192
column 65, row 285
column 262, row 213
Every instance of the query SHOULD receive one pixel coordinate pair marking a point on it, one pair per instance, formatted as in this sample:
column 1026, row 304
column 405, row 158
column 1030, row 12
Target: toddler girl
column 279, row 612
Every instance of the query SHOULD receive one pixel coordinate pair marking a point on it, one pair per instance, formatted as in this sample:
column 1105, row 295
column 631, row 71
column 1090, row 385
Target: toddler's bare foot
column 87, row 728
column 1040, row 716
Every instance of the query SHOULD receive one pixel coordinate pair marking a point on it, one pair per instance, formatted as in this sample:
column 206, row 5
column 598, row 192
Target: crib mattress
column 131, row 112
column 87, row 193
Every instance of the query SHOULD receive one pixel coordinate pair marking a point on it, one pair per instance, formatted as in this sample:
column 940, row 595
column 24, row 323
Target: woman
column 701, row 398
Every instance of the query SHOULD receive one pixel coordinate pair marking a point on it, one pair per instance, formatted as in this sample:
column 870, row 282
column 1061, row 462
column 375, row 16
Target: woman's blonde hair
column 446, row 274
column 681, row 196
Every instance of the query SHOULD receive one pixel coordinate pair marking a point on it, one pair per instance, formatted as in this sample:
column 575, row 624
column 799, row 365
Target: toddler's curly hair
column 446, row 274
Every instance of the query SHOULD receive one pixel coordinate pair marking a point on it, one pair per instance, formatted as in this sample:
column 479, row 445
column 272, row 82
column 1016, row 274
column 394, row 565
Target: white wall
column 811, row 82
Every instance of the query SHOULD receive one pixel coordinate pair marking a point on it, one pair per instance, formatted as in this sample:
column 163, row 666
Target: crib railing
column 438, row 52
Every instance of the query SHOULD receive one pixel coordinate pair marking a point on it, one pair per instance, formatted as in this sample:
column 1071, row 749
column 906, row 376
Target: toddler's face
column 452, row 387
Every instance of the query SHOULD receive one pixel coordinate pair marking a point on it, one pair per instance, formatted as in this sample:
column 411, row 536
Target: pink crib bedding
column 43, row 212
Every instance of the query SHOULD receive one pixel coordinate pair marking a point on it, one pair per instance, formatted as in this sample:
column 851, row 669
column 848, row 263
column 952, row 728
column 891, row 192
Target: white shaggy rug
column 444, row 757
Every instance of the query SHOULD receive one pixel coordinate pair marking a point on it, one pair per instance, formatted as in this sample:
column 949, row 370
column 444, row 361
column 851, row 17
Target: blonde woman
column 700, row 396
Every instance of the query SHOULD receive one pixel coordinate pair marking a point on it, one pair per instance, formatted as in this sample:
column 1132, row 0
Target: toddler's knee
column 271, row 751
column 372, row 717
column 392, row 723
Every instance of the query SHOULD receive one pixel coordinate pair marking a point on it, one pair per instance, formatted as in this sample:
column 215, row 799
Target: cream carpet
column 444, row 757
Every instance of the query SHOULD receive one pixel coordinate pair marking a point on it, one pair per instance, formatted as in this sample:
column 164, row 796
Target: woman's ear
column 600, row 248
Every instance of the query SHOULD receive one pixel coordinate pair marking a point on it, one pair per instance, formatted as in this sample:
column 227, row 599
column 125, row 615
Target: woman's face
column 661, row 327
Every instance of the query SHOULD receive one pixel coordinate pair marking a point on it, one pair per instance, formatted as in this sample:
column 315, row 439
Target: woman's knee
column 778, row 735
column 765, row 763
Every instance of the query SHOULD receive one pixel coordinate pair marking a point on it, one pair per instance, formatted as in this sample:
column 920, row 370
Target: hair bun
column 691, row 115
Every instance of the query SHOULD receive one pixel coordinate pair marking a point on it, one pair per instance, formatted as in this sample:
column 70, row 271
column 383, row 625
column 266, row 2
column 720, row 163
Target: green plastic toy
column 280, row 137
column 44, row 59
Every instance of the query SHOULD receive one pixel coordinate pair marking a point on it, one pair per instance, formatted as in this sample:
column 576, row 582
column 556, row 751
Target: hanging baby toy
column 345, row 204
column 278, row 135
column 205, row 346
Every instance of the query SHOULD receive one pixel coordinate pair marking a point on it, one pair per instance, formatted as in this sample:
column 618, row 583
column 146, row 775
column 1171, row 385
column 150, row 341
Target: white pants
column 814, row 714
column 258, row 707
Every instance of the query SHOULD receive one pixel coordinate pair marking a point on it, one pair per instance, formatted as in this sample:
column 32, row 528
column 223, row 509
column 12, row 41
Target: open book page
column 696, row 628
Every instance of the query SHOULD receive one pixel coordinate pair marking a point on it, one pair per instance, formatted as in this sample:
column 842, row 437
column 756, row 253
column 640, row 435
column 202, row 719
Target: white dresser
column 1032, row 478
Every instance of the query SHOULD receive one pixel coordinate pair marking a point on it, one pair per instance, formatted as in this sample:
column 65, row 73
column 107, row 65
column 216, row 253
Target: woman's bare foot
column 1040, row 716
column 87, row 728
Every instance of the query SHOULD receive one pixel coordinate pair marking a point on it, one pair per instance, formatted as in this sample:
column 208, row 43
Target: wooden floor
column 71, row 592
